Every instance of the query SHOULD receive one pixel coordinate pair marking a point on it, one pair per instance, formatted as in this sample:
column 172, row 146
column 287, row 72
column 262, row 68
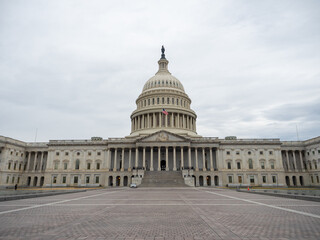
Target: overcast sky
column 73, row 69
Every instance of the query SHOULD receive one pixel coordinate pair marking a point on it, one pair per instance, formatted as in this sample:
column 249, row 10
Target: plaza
column 160, row 213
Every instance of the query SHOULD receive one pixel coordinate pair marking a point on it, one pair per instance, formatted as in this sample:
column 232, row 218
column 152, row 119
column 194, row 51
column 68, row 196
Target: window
column 168, row 100
column 88, row 165
column 240, row 179
column 270, row 152
column 9, row 165
column 78, row 154
column 75, row 179
column 158, row 100
column 66, row 153
column 21, row 154
column 11, row 153
column 249, row 153
column 98, row 166
column 98, row 153
column 250, row 164
column 152, row 101
column 310, row 165
column 311, row 179
column 238, row 153
column 315, row 166
column 18, row 180
column 251, row 179
column 274, row 179
column 230, row 179
column 65, row 166
column 87, row 179
column 228, row 153
column 264, row 179
column 313, row 152
column 89, row 153
column 318, row 151
column 317, row 177
column 14, row 166
column 97, row 179
column 77, row 164
column 229, row 165
column 64, row 179
column 56, row 164
column 149, row 101
column 238, row 165
column 12, row 181
column 272, row 165
column 57, row 153
column 163, row 100
column 262, row 165
column 54, row 179
column 172, row 101
column 261, row 152
column 20, row 166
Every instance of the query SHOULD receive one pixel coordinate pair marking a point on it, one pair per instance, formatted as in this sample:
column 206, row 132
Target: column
column 129, row 167
column 211, row 160
column 301, row 160
column 196, row 152
column 122, row 161
column 154, row 120
column 144, row 158
column 189, row 157
column 160, row 119
column 174, row 159
column 187, row 122
column 203, row 160
column 288, row 163
column 115, row 160
column 108, row 159
column 294, row 160
column 35, row 161
column 182, row 160
column 148, row 125
column 166, row 120
column 167, row 162
column 159, row 158
column 172, row 116
column 29, row 160
column 151, row 159
column 217, row 158
column 136, row 160
column 138, row 127
column 41, row 161
column 142, row 121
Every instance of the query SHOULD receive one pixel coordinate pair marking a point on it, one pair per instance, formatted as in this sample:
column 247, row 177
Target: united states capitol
column 163, row 149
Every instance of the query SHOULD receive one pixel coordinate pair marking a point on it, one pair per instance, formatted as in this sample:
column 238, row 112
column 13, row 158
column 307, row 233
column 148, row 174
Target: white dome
column 163, row 80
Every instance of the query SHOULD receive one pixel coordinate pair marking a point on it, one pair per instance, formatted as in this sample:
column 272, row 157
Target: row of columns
column 294, row 159
column 136, row 165
column 35, row 167
column 158, row 119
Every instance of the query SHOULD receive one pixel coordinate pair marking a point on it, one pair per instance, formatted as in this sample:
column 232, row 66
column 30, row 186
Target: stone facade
column 163, row 138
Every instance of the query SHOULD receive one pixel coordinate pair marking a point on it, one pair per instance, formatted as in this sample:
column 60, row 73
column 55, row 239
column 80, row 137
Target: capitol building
column 163, row 149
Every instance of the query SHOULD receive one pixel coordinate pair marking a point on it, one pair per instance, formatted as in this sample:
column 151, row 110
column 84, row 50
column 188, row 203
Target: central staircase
column 163, row 179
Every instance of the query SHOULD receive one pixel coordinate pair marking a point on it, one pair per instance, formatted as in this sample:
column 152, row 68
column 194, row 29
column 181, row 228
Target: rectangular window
column 229, row 165
column 65, row 166
column 8, row 178
column 99, row 153
column 264, row 179
column 98, row 166
column 9, row 165
column 64, row 179
column 272, row 165
column 311, row 179
column 87, row 179
column 54, row 180
column 317, row 177
column 88, row 165
column 240, row 179
column 270, row 152
column 238, row 153
column 97, row 179
column 230, row 179
column 14, row 166
column 262, row 165
column 56, row 166
column 75, row 179
column 251, row 179
column 18, row 180
column 274, row 179
column 20, row 166
column 261, row 152
column 250, row 164
column 228, row 153
column 238, row 165
column 12, row 181
column 57, row 153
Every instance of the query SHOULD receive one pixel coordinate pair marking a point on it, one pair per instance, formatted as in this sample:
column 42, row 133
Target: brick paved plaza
column 160, row 213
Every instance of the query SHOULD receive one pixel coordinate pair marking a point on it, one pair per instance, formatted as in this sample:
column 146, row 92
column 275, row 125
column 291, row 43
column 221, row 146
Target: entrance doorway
column 163, row 165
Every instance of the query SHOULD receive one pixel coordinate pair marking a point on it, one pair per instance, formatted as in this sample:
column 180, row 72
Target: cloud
column 74, row 69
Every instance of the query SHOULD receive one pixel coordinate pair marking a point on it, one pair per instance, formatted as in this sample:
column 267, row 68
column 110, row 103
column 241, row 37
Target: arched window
column 77, row 164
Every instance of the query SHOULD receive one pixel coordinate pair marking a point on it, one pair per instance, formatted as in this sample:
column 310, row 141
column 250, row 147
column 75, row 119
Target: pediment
column 163, row 136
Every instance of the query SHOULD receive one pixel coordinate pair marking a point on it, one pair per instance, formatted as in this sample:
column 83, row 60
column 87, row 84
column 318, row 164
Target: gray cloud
column 74, row 69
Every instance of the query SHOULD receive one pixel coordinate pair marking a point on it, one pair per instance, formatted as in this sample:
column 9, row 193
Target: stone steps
column 163, row 179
